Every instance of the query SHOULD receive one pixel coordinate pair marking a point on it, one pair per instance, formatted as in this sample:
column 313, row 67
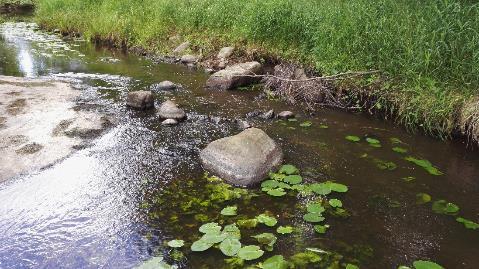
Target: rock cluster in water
column 243, row 159
column 140, row 99
column 235, row 76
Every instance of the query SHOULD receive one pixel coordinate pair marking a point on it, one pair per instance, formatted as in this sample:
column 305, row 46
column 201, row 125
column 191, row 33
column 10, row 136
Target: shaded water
column 115, row 203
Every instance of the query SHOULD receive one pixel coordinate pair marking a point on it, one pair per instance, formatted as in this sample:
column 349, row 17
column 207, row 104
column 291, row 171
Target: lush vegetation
column 429, row 49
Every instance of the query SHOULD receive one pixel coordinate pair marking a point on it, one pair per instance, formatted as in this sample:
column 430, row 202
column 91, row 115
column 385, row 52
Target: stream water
column 115, row 203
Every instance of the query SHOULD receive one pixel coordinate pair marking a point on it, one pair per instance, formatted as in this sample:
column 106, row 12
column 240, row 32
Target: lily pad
column 426, row 265
column 284, row 229
column 423, row 198
column 399, row 150
column 306, row 124
column 267, row 239
column 250, row 252
column 213, row 238
column 384, row 165
column 248, row 223
column 425, row 164
column 200, row 245
column 275, row 262
column 176, row 243
column 232, row 231
column 315, row 208
column 313, row 217
column 335, row 203
column 267, row 220
column 337, row 187
column 321, row 228
column 229, row 211
column 353, row 138
column 288, row 169
column 271, row 184
column 211, row 227
column 409, row 179
column 373, row 142
column 278, row 192
column 323, row 126
column 293, row 179
column 230, row 246
column 320, row 188
column 469, row 224
column 445, row 207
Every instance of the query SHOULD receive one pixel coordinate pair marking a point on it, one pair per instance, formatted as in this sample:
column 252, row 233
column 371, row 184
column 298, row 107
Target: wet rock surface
column 41, row 124
column 165, row 86
column 235, row 76
column 169, row 110
column 243, row 159
column 286, row 115
column 140, row 99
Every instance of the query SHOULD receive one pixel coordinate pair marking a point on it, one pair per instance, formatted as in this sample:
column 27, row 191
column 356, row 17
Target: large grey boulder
column 243, row 159
column 225, row 53
column 140, row 99
column 235, row 76
column 169, row 110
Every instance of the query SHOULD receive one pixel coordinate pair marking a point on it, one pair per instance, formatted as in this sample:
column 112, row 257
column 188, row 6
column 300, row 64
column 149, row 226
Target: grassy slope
column 429, row 49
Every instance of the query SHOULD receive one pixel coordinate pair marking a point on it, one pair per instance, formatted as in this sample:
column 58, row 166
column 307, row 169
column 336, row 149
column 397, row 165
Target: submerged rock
column 182, row 47
column 140, row 99
column 169, row 122
column 225, row 52
column 235, row 76
column 243, row 159
column 169, row 110
column 166, row 85
column 286, row 115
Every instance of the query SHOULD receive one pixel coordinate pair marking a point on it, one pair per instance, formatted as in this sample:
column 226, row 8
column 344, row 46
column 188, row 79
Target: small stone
column 286, row 115
column 209, row 71
column 184, row 46
column 225, row 53
column 268, row 115
column 165, row 86
column 169, row 110
column 169, row 122
column 140, row 99
column 188, row 59
column 253, row 114
column 243, row 125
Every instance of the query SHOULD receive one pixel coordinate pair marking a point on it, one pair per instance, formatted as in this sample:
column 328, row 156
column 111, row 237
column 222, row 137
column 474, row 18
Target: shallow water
column 115, row 203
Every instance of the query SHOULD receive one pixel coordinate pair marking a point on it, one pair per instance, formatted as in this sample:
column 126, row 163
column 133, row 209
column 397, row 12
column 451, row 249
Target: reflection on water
column 84, row 212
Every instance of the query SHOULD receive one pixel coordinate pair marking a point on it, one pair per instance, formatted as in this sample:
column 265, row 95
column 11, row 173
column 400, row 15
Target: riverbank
column 426, row 52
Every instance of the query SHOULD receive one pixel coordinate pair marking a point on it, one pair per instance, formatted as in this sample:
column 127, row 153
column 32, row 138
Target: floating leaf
column 288, row 169
column 399, row 150
column 229, row 211
column 353, row 138
column 321, row 228
column 306, row 124
column 211, row 227
column 293, row 179
column 373, row 142
column 469, row 224
column 248, row 223
column 323, row 126
column 275, row 262
column 426, row 265
column 320, row 188
column 155, row 263
column 176, row 243
column 445, row 207
column 271, row 184
column 293, row 120
column 284, row 229
column 200, row 245
column 232, row 231
column 213, row 238
column 351, row 266
column 408, row 179
column 404, row 267
column 337, row 187
column 251, row 252
column 395, row 140
column 313, row 217
column 384, row 165
column 427, row 165
column 336, row 203
column 230, row 246
column 267, row 239
column 422, row 198
column 315, row 208
column 267, row 220
column 276, row 192
column 277, row 176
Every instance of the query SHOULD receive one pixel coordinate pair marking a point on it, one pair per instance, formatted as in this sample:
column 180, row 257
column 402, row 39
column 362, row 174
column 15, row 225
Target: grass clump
column 428, row 50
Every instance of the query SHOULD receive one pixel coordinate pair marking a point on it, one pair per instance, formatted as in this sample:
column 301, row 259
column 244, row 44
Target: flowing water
column 116, row 202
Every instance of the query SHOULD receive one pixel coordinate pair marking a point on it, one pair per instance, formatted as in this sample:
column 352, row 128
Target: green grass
column 428, row 49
